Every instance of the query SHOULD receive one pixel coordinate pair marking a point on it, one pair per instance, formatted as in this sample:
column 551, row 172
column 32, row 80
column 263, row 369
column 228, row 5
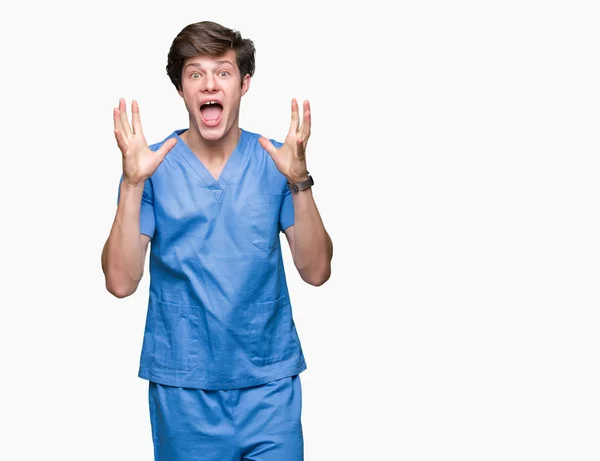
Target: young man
column 220, row 348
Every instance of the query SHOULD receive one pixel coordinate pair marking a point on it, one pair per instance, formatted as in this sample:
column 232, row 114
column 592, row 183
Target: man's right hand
column 139, row 161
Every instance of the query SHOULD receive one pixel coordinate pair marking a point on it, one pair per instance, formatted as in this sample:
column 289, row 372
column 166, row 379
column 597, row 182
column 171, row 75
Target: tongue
column 212, row 112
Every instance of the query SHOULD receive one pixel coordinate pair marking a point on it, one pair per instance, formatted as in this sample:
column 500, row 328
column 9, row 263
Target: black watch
column 303, row 185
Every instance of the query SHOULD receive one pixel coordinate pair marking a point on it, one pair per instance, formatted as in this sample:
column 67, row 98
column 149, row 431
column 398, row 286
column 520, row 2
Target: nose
column 209, row 83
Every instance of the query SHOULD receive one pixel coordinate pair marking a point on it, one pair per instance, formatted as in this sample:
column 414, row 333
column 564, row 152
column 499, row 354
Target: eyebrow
column 198, row 66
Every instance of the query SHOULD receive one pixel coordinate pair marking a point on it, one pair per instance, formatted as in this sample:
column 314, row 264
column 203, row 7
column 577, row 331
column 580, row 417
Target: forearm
column 123, row 253
column 313, row 248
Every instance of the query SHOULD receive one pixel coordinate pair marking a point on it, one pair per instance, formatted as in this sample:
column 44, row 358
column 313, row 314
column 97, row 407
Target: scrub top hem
column 174, row 381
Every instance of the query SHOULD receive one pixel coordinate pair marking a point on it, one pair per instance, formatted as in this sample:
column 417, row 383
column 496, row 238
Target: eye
column 223, row 73
column 195, row 75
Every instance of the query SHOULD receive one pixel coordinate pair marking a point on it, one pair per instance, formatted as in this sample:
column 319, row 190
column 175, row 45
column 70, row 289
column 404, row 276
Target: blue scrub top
column 219, row 312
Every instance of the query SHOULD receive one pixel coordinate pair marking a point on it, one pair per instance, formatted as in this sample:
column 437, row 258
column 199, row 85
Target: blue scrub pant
column 259, row 423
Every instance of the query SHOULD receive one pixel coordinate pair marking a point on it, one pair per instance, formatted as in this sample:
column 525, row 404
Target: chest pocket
column 264, row 220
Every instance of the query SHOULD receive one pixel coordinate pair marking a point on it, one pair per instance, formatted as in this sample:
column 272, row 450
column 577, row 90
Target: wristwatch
column 302, row 185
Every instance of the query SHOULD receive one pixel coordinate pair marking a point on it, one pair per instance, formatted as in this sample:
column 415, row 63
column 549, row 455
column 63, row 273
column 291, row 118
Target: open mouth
column 211, row 112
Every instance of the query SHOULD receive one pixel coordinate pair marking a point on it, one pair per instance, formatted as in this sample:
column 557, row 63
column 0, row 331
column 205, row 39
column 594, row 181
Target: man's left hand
column 290, row 158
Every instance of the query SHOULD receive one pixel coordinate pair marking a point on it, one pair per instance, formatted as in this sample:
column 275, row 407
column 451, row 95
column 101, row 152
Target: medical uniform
column 260, row 423
column 220, row 347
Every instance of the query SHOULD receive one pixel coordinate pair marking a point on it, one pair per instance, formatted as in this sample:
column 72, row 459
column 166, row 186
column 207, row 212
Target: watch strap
column 302, row 185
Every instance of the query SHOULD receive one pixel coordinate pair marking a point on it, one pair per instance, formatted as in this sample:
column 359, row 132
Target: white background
column 455, row 154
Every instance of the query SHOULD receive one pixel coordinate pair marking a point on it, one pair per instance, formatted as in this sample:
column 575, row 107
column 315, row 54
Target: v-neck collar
column 217, row 186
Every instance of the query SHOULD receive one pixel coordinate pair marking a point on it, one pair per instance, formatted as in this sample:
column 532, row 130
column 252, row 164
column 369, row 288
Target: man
column 220, row 347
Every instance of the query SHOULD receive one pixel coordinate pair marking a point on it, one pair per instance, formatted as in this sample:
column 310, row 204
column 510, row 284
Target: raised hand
column 290, row 158
column 139, row 161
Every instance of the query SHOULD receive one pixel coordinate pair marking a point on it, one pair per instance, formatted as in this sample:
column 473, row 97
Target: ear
column 180, row 92
column 245, row 84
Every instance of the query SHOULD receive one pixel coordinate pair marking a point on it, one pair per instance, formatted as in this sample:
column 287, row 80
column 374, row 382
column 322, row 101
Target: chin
column 212, row 134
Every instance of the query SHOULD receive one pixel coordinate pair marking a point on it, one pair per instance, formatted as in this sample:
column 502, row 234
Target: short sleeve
column 147, row 221
column 286, row 214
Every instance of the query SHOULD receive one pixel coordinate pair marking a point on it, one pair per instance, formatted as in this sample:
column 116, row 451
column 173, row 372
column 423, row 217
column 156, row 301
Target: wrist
column 131, row 188
column 132, row 183
column 298, row 178
column 301, row 184
column 297, row 174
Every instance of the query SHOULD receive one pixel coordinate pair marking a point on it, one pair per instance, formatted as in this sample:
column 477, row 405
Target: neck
column 213, row 151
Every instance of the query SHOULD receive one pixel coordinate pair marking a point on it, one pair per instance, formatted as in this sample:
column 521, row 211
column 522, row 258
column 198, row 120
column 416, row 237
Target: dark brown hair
column 208, row 38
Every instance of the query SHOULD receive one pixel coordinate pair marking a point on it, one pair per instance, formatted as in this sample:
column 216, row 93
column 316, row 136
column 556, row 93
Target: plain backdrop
column 455, row 150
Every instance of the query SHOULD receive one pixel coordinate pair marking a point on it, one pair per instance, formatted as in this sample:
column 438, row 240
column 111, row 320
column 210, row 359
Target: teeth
column 210, row 103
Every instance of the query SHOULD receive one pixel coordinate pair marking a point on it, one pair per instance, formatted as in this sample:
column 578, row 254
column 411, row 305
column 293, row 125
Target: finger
column 295, row 123
column 267, row 145
column 301, row 150
column 306, row 122
column 117, row 119
column 126, row 128
column 120, row 142
column 135, row 118
column 166, row 148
